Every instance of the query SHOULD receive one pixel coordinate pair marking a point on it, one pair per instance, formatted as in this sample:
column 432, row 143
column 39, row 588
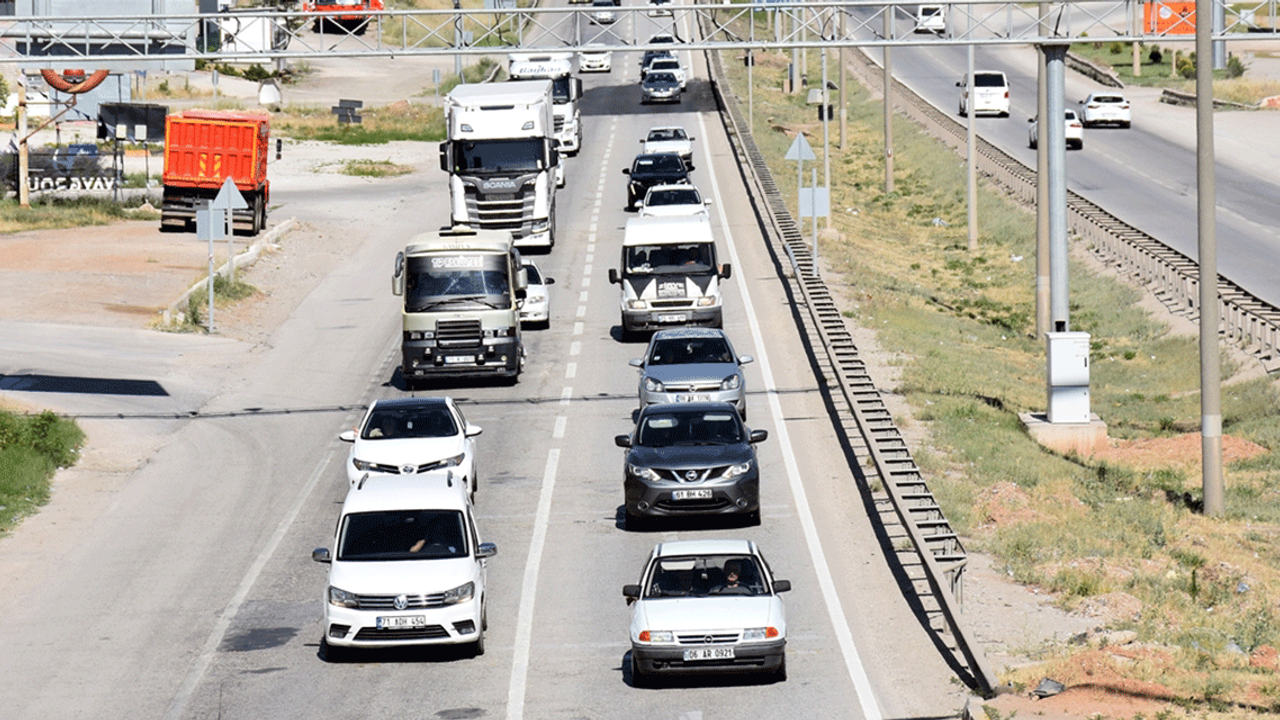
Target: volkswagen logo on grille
column 408, row 469
column 401, row 602
column 691, row 475
column 708, row 639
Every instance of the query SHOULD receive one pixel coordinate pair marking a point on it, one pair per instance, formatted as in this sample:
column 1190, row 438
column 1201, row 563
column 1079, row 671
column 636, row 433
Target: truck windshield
column 682, row 258
column 457, row 280
column 494, row 156
column 560, row 90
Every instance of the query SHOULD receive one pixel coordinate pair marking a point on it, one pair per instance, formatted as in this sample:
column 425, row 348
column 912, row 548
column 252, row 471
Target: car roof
column 427, row 491
column 674, row 186
column 705, row 547
column 656, row 128
column 688, row 333
column 410, row 402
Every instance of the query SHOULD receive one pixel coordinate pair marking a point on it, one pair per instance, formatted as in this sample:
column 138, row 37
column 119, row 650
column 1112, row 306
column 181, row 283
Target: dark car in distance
column 648, row 170
column 688, row 459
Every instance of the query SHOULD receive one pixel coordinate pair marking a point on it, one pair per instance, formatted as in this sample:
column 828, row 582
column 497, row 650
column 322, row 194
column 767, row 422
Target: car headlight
column 342, row 598
column 733, row 382
column 462, row 593
column 540, row 225
column 536, row 298
column 737, row 469
column 361, row 465
column 653, row 385
column 637, row 304
column 657, row 636
column 707, row 301
column 448, row 462
column 643, row 472
column 764, row 633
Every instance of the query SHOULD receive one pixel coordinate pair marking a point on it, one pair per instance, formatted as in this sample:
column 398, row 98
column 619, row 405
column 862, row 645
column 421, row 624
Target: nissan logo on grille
column 691, row 475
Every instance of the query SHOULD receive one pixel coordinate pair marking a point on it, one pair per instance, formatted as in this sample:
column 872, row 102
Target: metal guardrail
column 863, row 419
column 1248, row 322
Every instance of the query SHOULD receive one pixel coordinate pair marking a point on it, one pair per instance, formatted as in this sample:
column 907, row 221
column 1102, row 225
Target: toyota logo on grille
column 691, row 475
column 407, row 469
column 402, row 602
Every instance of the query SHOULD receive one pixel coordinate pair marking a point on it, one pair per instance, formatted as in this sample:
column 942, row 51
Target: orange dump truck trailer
column 202, row 148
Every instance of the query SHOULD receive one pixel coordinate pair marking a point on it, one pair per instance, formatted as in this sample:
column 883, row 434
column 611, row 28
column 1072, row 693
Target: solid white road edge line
column 524, row 623
column 852, row 661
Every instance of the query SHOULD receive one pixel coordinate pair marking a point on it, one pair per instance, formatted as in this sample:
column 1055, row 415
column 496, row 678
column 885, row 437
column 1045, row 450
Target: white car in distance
column 990, row 94
column 707, row 607
column 671, row 65
column 671, row 200
column 602, row 12
column 413, row 436
column 1105, row 108
column 407, row 567
column 536, row 307
column 1073, row 133
column 669, row 138
column 595, row 57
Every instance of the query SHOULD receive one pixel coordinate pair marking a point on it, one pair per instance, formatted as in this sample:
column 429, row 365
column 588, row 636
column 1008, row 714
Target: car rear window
column 989, row 80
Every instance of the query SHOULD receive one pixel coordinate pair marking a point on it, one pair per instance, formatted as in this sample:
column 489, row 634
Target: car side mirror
column 759, row 436
column 548, row 281
column 725, row 271
column 745, row 360
column 613, row 276
column 488, row 550
column 347, row 436
column 781, row 586
column 632, row 593
column 622, row 441
column 321, row 555
column 473, row 430
column 626, row 171
column 636, row 362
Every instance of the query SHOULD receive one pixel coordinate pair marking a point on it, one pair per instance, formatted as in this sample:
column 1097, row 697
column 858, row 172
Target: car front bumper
column 735, row 397
column 672, row 317
column 747, row 657
column 450, row 625
column 645, row 498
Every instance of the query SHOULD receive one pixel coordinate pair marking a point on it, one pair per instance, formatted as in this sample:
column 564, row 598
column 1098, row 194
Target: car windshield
column 681, row 351
column 398, row 423
column 988, row 80
column 402, row 535
column 675, row 196
column 687, row 428
column 660, row 77
column 660, row 163
column 705, row 575
column 684, row 258
column 663, row 134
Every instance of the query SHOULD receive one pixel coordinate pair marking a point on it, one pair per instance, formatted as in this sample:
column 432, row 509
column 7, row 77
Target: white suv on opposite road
column 407, row 567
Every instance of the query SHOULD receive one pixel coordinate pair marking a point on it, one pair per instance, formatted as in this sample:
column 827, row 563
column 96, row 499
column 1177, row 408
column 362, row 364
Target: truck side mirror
column 522, row 279
column 576, row 88
column 553, row 158
column 397, row 277
column 446, row 163
column 725, row 271
column 613, row 276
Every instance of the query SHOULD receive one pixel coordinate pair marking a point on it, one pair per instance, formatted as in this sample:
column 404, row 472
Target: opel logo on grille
column 691, row 475
column 708, row 639
column 408, row 469
column 401, row 602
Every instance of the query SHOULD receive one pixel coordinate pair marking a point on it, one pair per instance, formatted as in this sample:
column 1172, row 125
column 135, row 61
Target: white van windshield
column 683, row 258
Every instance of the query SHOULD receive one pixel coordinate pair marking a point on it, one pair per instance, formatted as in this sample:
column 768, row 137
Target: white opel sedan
column 412, row 436
column 707, row 607
column 536, row 308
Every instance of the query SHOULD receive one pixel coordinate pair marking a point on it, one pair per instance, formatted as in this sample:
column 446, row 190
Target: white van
column 407, row 567
column 990, row 94
column 669, row 274
column 931, row 19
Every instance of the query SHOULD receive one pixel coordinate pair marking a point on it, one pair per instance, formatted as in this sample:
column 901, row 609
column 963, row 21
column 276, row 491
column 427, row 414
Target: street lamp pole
column 457, row 40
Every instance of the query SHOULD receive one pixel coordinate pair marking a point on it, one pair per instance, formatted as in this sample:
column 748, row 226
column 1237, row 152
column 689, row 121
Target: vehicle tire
column 331, row 653
column 638, row 678
column 1125, row 125
column 477, row 647
column 753, row 518
column 484, row 616
column 634, row 523
column 1031, row 144
column 780, row 675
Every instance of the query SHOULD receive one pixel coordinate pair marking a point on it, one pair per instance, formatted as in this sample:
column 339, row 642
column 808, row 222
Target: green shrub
column 257, row 73
column 1187, row 67
column 1235, row 67
column 1155, row 56
column 1115, row 48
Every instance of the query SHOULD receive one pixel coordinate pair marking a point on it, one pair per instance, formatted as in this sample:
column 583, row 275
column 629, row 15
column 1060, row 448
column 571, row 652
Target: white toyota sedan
column 707, row 607
column 413, row 436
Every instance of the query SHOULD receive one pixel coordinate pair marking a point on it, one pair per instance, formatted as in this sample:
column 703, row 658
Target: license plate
column 711, row 653
column 673, row 318
column 690, row 494
column 459, row 358
column 402, row 621
column 693, row 397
